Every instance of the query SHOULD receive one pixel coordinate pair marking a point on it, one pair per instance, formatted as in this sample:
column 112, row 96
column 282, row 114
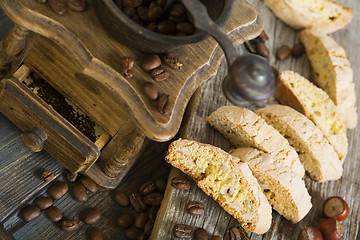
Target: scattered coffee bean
column 79, row 193
column 185, row 27
column 159, row 74
column 69, row 225
column 137, row 201
column 153, row 199
column 201, row 234
column 76, row 5
column 47, row 176
column 182, row 231
column 166, row 27
column 151, row 90
column 149, row 226
column 132, row 233
column 58, row 6
column 126, row 67
column 160, row 184
column 92, row 216
column 182, row 183
column 153, row 212
column 262, row 50
column 30, row 213
column 147, row 187
column 54, row 214
column 140, row 220
column 151, row 62
column 298, row 50
column 195, row 208
column 131, row 3
column 88, row 184
column 172, row 61
column 125, row 220
column 121, row 199
column 58, row 190
column 71, row 177
column 164, row 104
column 44, row 202
column 216, row 237
column 177, row 9
column 233, row 234
column 155, row 13
column 96, row 234
column 283, row 52
column 263, row 36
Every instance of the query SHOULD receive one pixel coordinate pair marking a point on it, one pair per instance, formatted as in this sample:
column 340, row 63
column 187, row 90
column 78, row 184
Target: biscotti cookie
column 285, row 191
column 244, row 128
column 332, row 73
column 316, row 154
column 299, row 93
column 232, row 185
column 324, row 16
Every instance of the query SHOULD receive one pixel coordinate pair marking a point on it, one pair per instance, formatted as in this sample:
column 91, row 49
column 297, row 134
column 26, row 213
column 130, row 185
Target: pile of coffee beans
column 175, row 21
column 146, row 203
column 61, row 6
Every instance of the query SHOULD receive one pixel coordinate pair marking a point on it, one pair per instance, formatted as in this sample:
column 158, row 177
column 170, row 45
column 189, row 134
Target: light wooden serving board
column 210, row 97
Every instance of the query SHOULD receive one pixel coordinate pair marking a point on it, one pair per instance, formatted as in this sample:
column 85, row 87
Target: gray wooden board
column 216, row 220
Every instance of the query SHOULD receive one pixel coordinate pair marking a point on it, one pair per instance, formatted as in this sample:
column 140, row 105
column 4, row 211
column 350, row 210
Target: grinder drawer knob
column 34, row 139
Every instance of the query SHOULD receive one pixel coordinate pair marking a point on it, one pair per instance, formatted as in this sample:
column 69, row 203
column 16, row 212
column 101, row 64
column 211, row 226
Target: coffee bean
column 166, row 27
column 79, row 193
column 233, row 234
column 159, row 74
column 298, row 50
column 54, row 214
column 283, row 52
column 69, row 225
column 44, row 202
column 164, row 104
column 125, row 220
column 177, row 9
column 182, row 183
column 142, row 12
column 185, row 27
column 151, row 62
column 172, row 61
column 155, row 13
column 147, row 187
column 58, row 190
column 201, row 234
column 216, row 237
column 263, row 36
column 76, row 5
column 58, row 6
column 136, row 19
column 161, row 3
column 47, row 176
column 129, row 11
column 142, row 236
column 71, row 177
column 121, row 198
column 160, row 184
column 132, row 3
column 96, row 234
column 132, row 233
column 92, row 216
column 195, row 208
column 177, row 19
column 126, row 67
column 30, row 213
column 153, row 212
column 149, row 226
column 182, row 231
column 88, row 184
column 151, row 90
column 153, row 199
column 140, row 220
column 152, row 26
column 262, row 49
column 137, row 201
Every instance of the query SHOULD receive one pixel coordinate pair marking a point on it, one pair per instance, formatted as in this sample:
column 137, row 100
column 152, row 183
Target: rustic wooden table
column 20, row 169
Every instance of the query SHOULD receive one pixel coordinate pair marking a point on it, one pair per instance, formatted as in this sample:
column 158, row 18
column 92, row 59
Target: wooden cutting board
column 209, row 98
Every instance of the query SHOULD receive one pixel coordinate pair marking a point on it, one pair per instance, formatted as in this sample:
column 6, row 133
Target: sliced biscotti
column 321, row 15
column 332, row 73
column 244, row 128
column 315, row 152
column 299, row 93
column 232, row 185
column 285, row 191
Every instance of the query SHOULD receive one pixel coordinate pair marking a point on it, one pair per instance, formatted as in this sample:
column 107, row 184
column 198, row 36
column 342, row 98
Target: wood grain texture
column 216, row 220
column 81, row 36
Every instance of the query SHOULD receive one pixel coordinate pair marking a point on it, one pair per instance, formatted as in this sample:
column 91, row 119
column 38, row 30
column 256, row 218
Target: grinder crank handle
column 250, row 77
